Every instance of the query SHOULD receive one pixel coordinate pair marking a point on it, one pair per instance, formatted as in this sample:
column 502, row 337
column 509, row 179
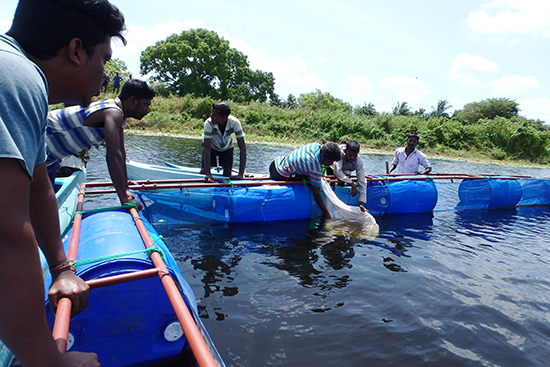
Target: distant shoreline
column 364, row 150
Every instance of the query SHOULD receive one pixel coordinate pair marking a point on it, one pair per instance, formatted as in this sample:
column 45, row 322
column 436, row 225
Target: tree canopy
column 402, row 109
column 319, row 100
column 441, row 109
column 488, row 109
column 201, row 63
column 114, row 66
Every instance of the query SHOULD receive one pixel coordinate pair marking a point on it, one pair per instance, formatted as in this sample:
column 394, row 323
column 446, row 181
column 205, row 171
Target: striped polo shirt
column 66, row 134
column 222, row 142
column 304, row 161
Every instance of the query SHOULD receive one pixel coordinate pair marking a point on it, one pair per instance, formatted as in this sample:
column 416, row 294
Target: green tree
column 114, row 66
column 201, row 63
column 366, row 110
column 441, row 109
column 402, row 109
column 488, row 109
column 421, row 112
column 291, row 102
column 319, row 100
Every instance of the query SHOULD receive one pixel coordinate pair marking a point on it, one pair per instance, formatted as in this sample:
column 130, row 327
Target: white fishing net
column 347, row 220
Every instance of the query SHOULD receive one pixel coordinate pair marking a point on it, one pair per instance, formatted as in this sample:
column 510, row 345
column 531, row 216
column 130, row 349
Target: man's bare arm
column 207, row 154
column 319, row 200
column 23, row 325
column 242, row 157
column 116, row 153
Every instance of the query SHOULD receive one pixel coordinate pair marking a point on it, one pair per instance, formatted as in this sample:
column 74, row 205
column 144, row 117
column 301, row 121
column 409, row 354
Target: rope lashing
column 126, row 206
column 228, row 181
column 147, row 251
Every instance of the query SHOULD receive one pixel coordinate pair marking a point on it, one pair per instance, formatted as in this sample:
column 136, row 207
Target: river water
column 449, row 288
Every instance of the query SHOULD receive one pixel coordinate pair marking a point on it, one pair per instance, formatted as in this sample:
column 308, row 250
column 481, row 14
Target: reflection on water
column 449, row 288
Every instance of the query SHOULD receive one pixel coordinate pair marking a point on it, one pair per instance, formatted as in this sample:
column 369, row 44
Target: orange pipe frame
column 60, row 330
column 194, row 337
column 256, row 181
column 62, row 320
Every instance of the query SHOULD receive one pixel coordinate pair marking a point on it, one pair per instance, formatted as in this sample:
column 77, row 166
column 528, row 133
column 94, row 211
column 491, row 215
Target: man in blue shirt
column 44, row 59
column 116, row 83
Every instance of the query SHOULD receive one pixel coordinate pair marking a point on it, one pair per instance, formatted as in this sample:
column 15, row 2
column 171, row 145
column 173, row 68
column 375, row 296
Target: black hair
column 136, row 88
column 331, row 151
column 43, row 27
column 353, row 146
column 223, row 108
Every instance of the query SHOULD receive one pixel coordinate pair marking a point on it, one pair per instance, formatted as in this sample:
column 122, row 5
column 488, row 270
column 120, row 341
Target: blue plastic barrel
column 506, row 193
column 407, row 196
column 128, row 323
column 271, row 203
column 536, row 191
column 488, row 193
column 240, row 204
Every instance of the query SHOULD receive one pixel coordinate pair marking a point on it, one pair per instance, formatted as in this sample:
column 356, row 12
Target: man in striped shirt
column 73, row 129
column 219, row 144
column 307, row 163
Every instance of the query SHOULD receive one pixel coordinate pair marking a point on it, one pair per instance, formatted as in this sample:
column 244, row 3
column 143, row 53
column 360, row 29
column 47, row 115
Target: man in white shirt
column 218, row 143
column 352, row 161
column 408, row 158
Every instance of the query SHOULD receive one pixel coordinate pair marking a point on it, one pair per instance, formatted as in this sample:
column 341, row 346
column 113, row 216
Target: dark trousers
column 225, row 160
column 273, row 174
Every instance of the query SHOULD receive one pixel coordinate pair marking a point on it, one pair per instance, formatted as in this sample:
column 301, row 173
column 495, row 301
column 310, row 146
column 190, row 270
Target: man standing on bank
column 408, row 158
column 55, row 51
column 218, row 142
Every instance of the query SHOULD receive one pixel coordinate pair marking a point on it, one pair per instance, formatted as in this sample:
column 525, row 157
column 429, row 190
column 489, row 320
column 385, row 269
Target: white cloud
column 536, row 109
column 514, row 83
column 468, row 69
column 5, row 25
column 457, row 103
column 321, row 60
column 237, row 43
column 406, row 89
column 139, row 38
column 359, row 84
column 288, row 73
column 509, row 19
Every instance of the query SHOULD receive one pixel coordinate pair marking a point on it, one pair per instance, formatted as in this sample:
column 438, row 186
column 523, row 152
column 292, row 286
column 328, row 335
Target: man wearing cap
column 408, row 158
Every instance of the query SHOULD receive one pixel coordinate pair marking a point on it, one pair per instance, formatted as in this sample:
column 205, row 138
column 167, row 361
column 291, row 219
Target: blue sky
column 380, row 52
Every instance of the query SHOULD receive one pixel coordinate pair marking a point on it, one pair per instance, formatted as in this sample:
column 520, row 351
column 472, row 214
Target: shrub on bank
column 497, row 138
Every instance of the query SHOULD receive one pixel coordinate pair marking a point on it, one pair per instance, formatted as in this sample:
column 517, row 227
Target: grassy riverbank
column 514, row 141
column 466, row 157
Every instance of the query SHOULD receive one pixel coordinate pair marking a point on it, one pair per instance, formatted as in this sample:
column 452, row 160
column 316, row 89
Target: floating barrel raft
column 262, row 199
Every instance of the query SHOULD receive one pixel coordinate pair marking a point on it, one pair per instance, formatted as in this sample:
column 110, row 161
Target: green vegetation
column 196, row 68
column 201, row 63
column 486, row 130
column 114, row 66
